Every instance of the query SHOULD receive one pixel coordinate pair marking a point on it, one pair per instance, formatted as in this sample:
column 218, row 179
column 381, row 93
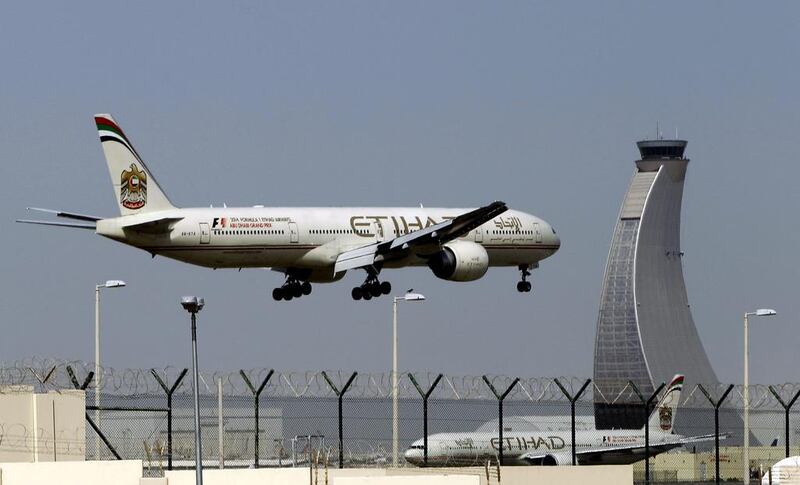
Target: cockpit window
column 417, row 447
column 553, row 229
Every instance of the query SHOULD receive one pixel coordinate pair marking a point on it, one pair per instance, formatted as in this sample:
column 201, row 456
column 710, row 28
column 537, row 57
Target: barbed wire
column 46, row 374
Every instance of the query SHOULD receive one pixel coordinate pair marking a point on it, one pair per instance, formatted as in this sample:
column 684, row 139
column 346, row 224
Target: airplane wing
column 432, row 235
column 595, row 454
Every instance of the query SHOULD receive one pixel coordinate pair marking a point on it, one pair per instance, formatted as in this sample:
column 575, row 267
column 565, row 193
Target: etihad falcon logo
column 665, row 418
column 133, row 190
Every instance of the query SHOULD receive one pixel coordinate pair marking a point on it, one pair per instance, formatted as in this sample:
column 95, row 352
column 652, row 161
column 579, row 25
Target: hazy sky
column 396, row 103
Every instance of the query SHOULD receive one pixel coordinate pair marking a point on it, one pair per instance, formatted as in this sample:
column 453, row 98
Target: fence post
column 256, row 395
column 169, row 391
column 500, row 398
column 647, row 404
column 340, row 395
column 425, row 396
column 75, row 382
column 572, row 400
column 43, row 379
column 220, row 427
column 717, row 405
column 786, row 409
column 92, row 424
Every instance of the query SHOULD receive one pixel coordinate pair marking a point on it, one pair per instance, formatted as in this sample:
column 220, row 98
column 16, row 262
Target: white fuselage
column 312, row 238
column 476, row 448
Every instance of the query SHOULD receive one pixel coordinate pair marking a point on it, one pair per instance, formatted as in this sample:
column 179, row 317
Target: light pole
column 763, row 312
column 409, row 296
column 97, row 374
column 192, row 304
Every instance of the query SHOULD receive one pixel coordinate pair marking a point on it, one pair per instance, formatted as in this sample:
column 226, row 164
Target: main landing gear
column 524, row 286
column 291, row 289
column 372, row 288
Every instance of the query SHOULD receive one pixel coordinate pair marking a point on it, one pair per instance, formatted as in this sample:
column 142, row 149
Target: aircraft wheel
column 356, row 293
column 521, row 286
column 375, row 290
column 367, row 295
column 306, row 288
column 528, row 286
column 287, row 295
column 277, row 294
column 386, row 287
column 296, row 290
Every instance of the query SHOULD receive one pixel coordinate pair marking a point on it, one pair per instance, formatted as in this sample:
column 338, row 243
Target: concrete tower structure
column 645, row 331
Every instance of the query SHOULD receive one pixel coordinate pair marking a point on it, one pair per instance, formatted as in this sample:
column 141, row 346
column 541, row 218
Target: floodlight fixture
column 411, row 296
column 192, row 304
column 764, row 312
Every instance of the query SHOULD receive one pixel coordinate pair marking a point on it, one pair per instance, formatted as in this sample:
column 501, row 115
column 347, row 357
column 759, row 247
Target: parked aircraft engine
column 460, row 261
column 555, row 459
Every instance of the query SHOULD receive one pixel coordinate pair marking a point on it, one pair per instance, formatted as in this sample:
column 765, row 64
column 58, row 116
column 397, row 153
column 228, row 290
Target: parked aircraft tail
column 134, row 185
column 663, row 415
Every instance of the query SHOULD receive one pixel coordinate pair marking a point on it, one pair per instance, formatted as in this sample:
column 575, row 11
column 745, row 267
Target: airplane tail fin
column 134, row 185
column 663, row 415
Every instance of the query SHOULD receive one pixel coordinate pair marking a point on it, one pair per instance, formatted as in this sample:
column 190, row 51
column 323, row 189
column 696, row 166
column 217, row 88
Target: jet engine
column 460, row 261
column 554, row 459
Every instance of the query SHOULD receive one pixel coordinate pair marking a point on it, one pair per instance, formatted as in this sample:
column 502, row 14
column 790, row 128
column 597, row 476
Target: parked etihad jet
column 593, row 447
column 312, row 244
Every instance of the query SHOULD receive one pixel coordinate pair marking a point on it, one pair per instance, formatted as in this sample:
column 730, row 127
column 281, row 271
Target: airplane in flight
column 314, row 244
column 534, row 447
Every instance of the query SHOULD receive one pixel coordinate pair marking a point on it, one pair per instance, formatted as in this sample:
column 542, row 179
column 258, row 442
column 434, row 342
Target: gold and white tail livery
column 135, row 187
column 663, row 416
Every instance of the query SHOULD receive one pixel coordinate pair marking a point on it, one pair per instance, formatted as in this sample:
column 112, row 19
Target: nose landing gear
column 524, row 286
column 293, row 288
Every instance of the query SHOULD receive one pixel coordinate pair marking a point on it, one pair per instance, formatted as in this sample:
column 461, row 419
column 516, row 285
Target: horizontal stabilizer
column 68, row 215
column 156, row 226
column 60, row 224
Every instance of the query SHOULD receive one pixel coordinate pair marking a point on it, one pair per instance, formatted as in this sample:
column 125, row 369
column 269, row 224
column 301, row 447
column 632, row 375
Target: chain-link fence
column 347, row 419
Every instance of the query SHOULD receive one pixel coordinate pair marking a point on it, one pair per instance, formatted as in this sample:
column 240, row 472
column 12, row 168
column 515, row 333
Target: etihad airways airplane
column 534, row 447
column 315, row 244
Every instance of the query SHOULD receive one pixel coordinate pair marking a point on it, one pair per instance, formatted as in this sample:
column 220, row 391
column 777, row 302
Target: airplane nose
column 413, row 456
column 552, row 238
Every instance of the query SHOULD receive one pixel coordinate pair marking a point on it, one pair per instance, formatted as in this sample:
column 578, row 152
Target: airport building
column 645, row 330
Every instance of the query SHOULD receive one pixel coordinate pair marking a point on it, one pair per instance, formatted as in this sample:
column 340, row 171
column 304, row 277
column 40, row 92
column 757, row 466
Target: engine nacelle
column 460, row 261
column 555, row 459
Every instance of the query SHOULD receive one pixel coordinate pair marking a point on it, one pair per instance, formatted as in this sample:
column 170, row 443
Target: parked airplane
column 555, row 447
column 312, row 244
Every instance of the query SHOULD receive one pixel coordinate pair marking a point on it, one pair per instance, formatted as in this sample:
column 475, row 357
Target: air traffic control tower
column 645, row 331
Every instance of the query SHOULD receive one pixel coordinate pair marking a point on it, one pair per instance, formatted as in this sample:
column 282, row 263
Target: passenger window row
column 253, row 232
